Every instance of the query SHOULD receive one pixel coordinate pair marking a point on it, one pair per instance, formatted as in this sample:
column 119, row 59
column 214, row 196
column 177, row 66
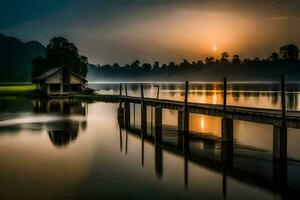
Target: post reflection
column 215, row 155
column 65, row 131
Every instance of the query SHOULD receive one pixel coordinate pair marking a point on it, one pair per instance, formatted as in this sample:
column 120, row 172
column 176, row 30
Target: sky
column 109, row 31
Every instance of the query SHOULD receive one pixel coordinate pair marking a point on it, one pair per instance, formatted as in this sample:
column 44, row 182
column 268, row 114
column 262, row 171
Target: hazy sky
column 122, row 31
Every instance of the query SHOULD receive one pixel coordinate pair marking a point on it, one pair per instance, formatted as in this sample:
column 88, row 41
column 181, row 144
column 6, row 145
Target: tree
column 156, row 66
column 236, row 60
column 274, row 57
column 61, row 53
column 210, row 60
column 38, row 66
column 289, row 52
column 224, row 57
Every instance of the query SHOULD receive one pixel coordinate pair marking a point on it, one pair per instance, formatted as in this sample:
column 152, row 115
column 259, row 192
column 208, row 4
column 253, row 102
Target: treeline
column 286, row 61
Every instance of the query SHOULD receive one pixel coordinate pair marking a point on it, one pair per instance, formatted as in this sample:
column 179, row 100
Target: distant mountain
column 16, row 57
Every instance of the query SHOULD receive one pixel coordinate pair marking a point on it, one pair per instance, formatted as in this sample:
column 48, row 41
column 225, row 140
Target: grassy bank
column 18, row 89
column 31, row 90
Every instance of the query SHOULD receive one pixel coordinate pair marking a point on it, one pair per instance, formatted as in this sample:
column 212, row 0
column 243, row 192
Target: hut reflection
column 66, row 130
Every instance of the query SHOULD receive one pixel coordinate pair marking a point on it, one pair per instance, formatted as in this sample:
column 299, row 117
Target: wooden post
column 134, row 115
column 227, row 155
column 279, row 143
column 280, row 175
column 283, row 105
column 158, row 161
column 126, row 142
column 127, row 114
column 180, row 128
column 180, row 120
column 143, row 112
column 143, row 148
column 157, row 96
column 120, row 89
column 151, row 120
column 144, row 119
column 121, row 116
column 186, row 96
column 121, row 141
column 227, row 130
column 120, row 95
column 186, row 120
column 186, row 112
column 142, row 92
column 225, row 96
column 126, row 93
column 158, row 124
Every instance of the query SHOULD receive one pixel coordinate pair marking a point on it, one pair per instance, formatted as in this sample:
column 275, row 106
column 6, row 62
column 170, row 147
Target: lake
column 69, row 149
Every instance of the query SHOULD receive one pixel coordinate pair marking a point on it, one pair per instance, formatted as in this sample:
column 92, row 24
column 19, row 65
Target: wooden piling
column 120, row 95
column 227, row 130
column 143, row 112
column 127, row 113
column 186, row 96
column 134, row 115
column 126, row 92
column 121, row 140
column 225, row 96
column 142, row 91
column 283, row 104
column 180, row 120
column 158, row 124
column 121, row 116
column 227, row 155
column 120, row 89
column 279, row 142
column 180, row 129
column 186, row 112
column 158, row 161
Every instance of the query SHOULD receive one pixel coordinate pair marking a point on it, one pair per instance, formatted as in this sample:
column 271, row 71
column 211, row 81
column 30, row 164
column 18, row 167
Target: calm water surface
column 62, row 149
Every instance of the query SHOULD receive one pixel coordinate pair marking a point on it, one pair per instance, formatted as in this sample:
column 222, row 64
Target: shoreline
column 83, row 97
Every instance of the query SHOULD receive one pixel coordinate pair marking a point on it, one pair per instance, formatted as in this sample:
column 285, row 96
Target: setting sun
column 215, row 48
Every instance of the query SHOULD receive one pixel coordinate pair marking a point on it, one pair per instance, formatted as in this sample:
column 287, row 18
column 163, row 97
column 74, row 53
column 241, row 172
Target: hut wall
column 55, row 78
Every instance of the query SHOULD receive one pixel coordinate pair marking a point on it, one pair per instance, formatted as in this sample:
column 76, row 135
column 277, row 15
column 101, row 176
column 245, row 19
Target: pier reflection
column 66, row 130
column 222, row 158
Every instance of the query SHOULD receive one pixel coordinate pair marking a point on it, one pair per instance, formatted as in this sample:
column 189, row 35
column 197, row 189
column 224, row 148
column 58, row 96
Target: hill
column 16, row 57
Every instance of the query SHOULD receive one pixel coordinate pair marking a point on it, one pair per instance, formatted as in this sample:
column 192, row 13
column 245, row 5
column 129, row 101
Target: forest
column 285, row 61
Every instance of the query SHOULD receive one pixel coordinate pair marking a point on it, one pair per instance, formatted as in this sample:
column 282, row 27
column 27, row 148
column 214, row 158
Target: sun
column 215, row 48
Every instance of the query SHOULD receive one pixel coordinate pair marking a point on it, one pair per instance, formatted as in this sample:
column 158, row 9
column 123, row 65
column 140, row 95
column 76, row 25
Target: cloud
column 125, row 30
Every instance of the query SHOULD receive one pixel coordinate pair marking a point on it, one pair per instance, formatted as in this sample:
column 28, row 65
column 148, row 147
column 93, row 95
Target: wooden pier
column 280, row 119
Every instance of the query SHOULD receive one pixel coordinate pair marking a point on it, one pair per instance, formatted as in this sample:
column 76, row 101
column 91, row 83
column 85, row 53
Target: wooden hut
column 60, row 81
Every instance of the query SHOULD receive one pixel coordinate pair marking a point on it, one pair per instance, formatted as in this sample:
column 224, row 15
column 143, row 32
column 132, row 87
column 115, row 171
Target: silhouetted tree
column 289, row 52
column 274, row 57
column 236, row 60
column 60, row 52
column 210, row 60
column 38, row 65
column 156, row 66
column 224, row 57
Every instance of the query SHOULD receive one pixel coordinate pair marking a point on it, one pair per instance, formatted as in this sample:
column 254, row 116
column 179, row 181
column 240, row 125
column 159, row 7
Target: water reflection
column 62, row 132
column 260, row 95
column 225, row 159
column 137, row 164
column 62, row 119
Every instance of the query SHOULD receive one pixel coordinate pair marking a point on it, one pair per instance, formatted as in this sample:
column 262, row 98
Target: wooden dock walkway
column 258, row 115
column 279, row 119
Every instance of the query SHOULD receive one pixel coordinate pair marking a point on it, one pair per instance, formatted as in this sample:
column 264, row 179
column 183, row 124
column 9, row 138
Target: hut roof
column 53, row 71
